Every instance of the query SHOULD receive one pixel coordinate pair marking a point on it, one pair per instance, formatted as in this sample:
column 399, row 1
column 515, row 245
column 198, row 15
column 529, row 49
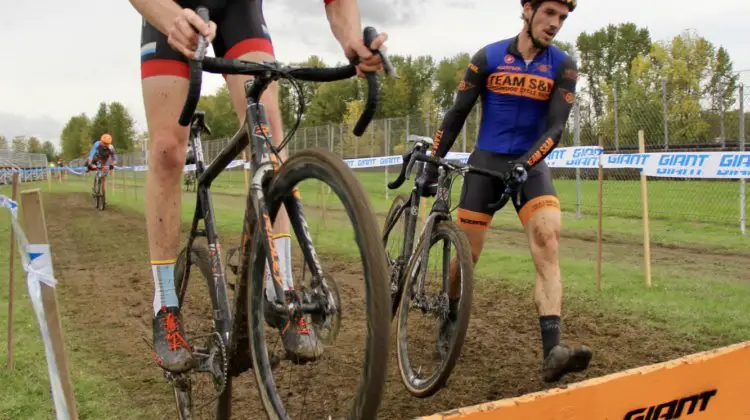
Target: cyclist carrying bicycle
column 170, row 35
column 527, row 87
column 102, row 152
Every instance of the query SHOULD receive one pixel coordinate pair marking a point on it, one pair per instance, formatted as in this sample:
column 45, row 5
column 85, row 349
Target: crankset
column 326, row 323
column 212, row 359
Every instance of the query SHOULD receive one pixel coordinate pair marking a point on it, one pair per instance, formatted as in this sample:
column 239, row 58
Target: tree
column 49, row 150
column 33, row 145
column 685, row 65
column 19, row 144
column 101, row 122
column 220, row 115
column 565, row 46
column 3, row 143
column 75, row 137
column 606, row 56
column 120, row 125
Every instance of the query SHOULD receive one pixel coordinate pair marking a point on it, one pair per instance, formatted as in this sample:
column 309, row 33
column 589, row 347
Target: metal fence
column 31, row 166
column 706, row 201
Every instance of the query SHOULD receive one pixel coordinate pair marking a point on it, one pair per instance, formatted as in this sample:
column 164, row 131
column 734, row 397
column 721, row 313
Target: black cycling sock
column 550, row 325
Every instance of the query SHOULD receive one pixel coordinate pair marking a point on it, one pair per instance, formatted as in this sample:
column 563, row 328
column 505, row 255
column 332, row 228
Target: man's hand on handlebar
column 367, row 61
column 183, row 36
column 518, row 172
column 426, row 182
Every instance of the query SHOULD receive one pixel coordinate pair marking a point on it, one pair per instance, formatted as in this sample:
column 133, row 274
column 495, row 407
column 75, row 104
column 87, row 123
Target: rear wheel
column 414, row 370
column 395, row 252
column 370, row 381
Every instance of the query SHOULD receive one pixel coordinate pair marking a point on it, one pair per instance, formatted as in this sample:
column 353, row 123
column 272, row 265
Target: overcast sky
column 64, row 58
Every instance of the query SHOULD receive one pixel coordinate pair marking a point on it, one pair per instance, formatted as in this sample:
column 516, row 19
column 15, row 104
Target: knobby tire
column 451, row 231
column 330, row 169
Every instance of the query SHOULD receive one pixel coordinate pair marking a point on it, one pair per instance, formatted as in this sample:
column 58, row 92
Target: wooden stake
column 35, row 228
column 11, row 279
column 600, row 233
column 644, row 200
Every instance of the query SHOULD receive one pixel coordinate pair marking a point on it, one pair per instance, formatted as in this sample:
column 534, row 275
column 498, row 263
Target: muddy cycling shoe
column 563, row 359
column 300, row 342
column 445, row 328
column 172, row 351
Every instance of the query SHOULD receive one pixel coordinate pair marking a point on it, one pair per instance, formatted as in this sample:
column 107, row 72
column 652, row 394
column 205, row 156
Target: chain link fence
column 665, row 127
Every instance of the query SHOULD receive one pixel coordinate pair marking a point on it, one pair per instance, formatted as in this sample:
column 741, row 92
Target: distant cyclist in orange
column 101, row 153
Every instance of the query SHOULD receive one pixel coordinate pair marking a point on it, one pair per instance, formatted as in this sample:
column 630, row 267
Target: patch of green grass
column 25, row 392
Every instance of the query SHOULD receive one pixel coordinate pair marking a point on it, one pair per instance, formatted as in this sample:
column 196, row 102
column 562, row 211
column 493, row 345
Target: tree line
column 623, row 72
column 23, row 144
column 81, row 132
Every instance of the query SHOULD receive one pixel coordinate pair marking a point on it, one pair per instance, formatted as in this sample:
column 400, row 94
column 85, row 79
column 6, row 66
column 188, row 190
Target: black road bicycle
column 98, row 191
column 224, row 353
column 409, row 265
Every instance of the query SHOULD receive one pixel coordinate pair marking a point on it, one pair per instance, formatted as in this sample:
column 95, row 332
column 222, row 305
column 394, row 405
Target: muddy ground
column 108, row 315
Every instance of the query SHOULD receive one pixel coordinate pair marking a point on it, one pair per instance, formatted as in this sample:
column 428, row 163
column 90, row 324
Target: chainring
column 326, row 326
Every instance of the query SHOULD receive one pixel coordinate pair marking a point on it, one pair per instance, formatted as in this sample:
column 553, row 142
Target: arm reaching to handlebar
column 468, row 92
column 344, row 18
column 178, row 24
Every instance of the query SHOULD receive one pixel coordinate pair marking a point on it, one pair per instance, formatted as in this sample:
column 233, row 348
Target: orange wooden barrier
column 708, row 385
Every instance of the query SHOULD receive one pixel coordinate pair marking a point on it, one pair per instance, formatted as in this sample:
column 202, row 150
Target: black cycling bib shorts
column 240, row 29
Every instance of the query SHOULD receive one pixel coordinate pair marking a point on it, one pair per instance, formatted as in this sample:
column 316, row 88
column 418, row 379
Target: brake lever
column 388, row 66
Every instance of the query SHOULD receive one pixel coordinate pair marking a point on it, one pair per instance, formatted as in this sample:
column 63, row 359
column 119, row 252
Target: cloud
column 44, row 128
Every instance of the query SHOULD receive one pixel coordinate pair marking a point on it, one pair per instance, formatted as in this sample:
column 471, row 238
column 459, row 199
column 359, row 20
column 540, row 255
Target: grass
column 712, row 220
column 24, row 390
column 709, row 309
column 682, row 301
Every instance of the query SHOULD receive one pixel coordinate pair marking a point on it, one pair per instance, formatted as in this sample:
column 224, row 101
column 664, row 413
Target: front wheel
column 102, row 195
column 366, row 287
column 450, row 316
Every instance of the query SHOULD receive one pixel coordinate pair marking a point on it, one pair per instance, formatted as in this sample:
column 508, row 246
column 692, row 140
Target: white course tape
column 37, row 263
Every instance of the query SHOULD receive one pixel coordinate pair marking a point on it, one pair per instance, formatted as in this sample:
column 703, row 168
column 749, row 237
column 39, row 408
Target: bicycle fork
column 265, row 162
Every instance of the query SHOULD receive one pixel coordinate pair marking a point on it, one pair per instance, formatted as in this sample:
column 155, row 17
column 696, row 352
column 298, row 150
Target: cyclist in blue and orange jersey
column 527, row 87
column 103, row 152
column 169, row 35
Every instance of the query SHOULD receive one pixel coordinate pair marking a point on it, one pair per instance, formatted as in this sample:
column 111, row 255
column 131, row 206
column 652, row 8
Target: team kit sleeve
column 561, row 102
column 93, row 150
column 468, row 91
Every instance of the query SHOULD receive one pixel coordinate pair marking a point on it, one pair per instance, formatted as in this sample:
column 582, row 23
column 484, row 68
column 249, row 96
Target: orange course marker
column 707, row 385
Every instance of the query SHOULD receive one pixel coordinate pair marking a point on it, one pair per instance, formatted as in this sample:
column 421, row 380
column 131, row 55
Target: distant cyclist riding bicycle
column 102, row 153
column 527, row 88
column 169, row 35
